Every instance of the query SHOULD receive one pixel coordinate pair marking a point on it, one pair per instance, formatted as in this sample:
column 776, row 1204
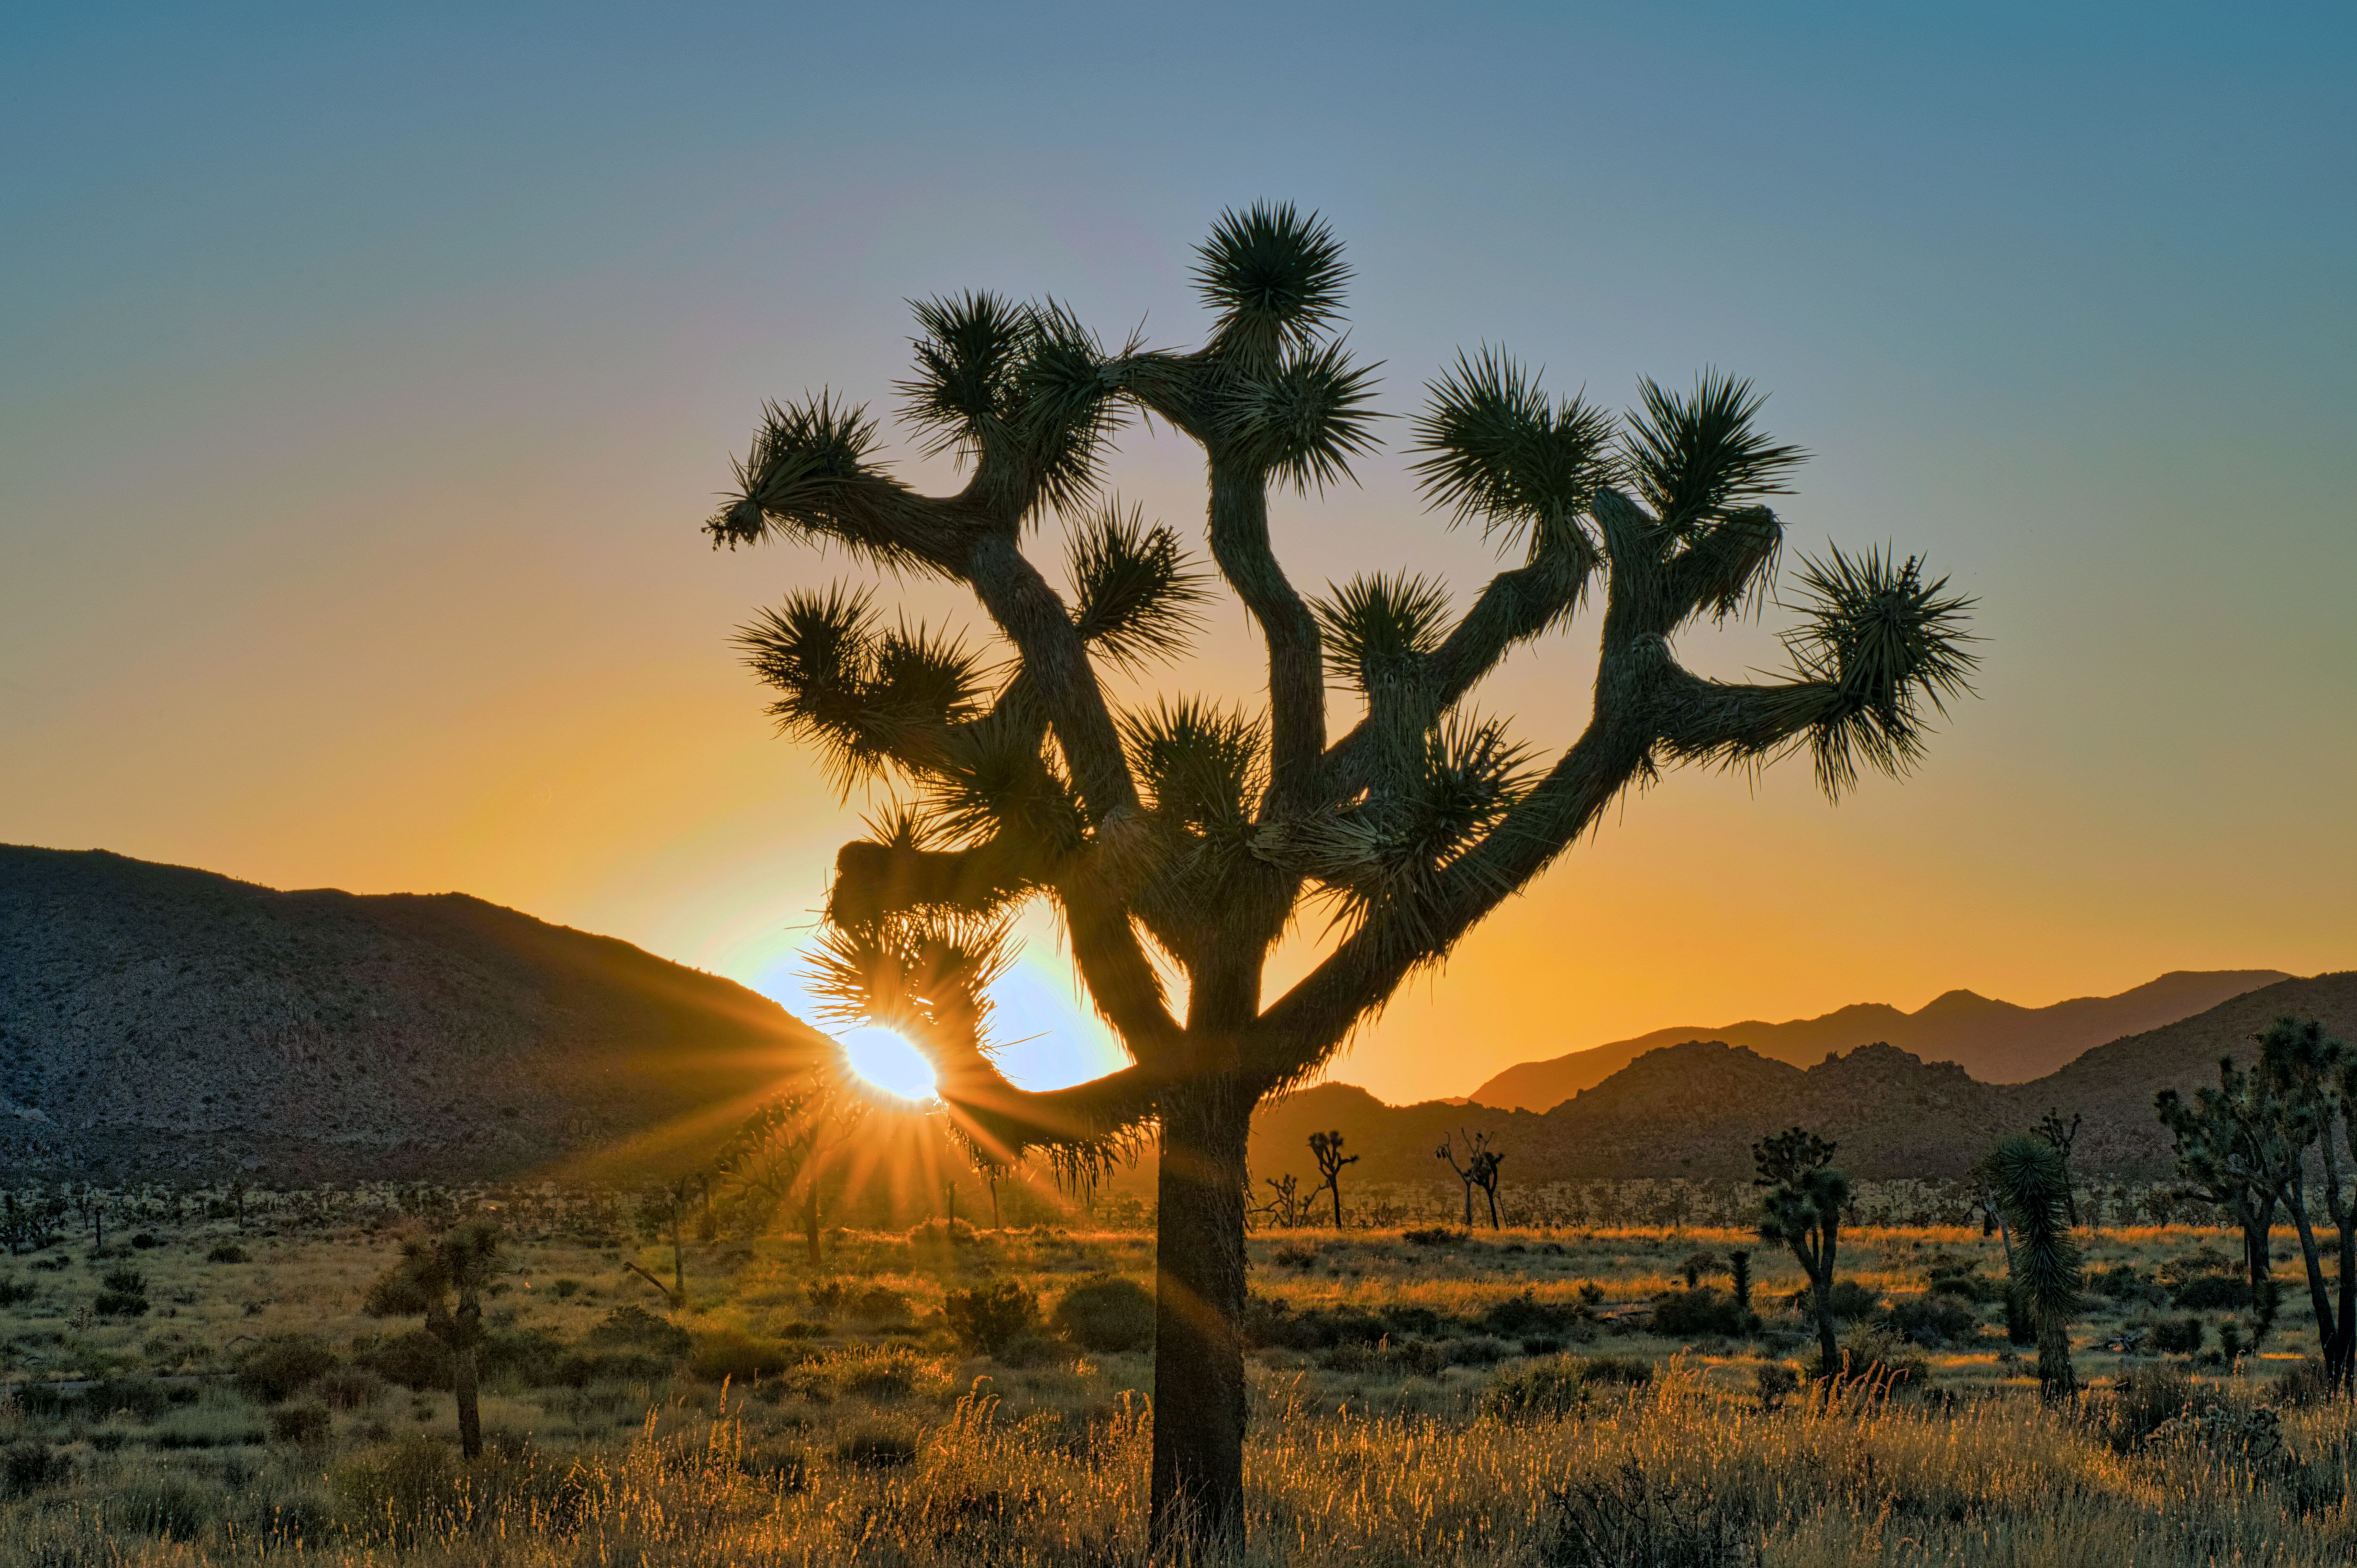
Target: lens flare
column 886, row 1060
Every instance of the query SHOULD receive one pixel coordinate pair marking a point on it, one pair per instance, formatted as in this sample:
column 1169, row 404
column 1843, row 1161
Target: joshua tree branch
column 1297, row 676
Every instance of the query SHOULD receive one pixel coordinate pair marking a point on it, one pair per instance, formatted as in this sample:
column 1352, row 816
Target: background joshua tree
column 1201, row 832
column 1288, row 1204
column 2311, row 1092
column 1803, row 1211
column 2229, row 1153
column 2062, row 1134
column 2027, row 1174
column 660, row 1214
column 1475, row 1168
column 1325, row 1149
column 441, row 1278
column 1738, row 1272
column 777, row 1155
column 1483, row 1170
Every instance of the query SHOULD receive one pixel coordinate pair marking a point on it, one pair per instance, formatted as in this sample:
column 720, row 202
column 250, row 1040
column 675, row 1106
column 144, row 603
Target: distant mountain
column 157, row 1021
column 1996, row 1042
column 1694, row 1109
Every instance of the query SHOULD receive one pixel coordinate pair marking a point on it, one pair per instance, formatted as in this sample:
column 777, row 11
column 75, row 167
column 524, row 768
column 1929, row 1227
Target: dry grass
column 877, row 1441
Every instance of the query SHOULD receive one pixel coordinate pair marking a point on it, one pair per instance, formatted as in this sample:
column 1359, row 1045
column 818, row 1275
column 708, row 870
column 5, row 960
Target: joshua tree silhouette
column 1201, row 832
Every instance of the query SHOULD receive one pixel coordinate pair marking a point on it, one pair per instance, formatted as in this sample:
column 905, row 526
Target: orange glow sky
column 361, row 396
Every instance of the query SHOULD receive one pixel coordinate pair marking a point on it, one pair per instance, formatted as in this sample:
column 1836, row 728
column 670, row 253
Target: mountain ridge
column 1994, row 1041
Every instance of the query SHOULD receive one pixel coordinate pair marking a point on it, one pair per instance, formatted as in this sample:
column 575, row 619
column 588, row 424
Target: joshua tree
column 1325, row 1149
column 660, row 1214
column 1739, row 1269
column 2229, row 1153
column 1480, row 1168
column 2062, row 1134
column 1803, row 1211
column 1288, row 1204
column 2310, row 1080
column 441, row 1278
column 779, row 1155
column 1484, row 1172
column 2027, row 1174
column 1198, row 832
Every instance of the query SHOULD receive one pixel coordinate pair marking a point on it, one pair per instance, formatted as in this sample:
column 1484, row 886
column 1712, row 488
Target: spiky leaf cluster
column 1890, row 643
column 1498, row 452
column 862, row 693
column 1136, row 596
column 925, row 977
column 1274, row 275
column 1379, row 629
column 1695, row 456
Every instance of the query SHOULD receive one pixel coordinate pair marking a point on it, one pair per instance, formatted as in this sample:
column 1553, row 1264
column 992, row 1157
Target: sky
column 366, row 372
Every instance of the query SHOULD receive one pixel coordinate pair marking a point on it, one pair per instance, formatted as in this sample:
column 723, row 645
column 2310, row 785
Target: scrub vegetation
column 1426, row 1394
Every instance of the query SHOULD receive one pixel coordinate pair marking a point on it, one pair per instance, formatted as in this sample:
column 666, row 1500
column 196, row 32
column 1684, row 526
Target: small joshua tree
column 1803, row 1211
column 1479, row 1168
column 1325, row 1149
column 441, row 1279
column 2027, row 1174
column 1739, row 1269
column 2229, row 1153
column 779, row 1156
column 1483, row 1170
column 660, row 1213
column 1191, row 834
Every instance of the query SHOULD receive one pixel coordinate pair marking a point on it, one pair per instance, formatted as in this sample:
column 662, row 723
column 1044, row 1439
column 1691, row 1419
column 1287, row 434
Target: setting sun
column 884, row 1061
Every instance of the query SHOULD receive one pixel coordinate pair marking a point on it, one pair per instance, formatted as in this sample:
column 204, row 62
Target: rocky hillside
column 1996, row 1042
column 157, row 1021
column 1696, row 1108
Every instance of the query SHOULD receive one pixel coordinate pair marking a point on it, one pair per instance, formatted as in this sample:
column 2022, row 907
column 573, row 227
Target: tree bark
column 809, row 1221
column 470, row 1416
column 1821, row 1286
column 1199, row 1368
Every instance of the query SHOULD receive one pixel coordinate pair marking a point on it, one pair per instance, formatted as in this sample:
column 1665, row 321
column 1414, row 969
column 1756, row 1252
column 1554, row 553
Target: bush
column 1559, row 1385
column 124, row 1295
column 1875, row 1355
column 414, row 1361
column 2144, row 1401
column 878, row 1448
column 2211, row 1293
column 12, row 1292
column 282, row 1366
column 731, row 1353
column 1680, row 1313
column 227, row 1252
column 1521, row 1316
column 27, row 1466
column 2177, row 1335
column 1433, row 1236
column 2304, row 1384
column 1107, row 1315
column 2124, row 1285
column 1931, row 1321
column 530, row 1358
column 780, row 1464
column 634, row 1327
column 351, row 1388
column 143, row 1241
column 990, row 1317
column 166, row 1506
column 300, row 1423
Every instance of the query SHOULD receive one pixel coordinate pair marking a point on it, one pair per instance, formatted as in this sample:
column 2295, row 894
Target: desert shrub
column 351, row 1388
column 300, row 1423
column 1633, row 1521
column 227, row 1252
column 282, row 1366
column 880, row 1308
column 1558, row 1385
column 1291, row 1257
column 634, row 1328
column 2305, row 1383
column 145, row 1241
column 12, row 1292
column 732, row 1353
column 529, row 1357
column 2145, row 1399
column 2177, row 1335
column 164, row 1506
column 1107, row 1315
column 1704, row 1310
column 1523, row 1315
column 1964, row 1282
column 1409, row 1357
column 1694, row 1266
column 124, row 1294
column 1432, row 1236
column 877, row 1448
column 990, row 1317
column 1774, row 1382
column 566, row 1290
column 1932, row 1321
column 406, row 1488
column 28, row 1466
column 143, row 1399
column 876, row 1372
column 2211, row 1293
column 414, row 1361
column 1873, row 1355
column 2126, row 1286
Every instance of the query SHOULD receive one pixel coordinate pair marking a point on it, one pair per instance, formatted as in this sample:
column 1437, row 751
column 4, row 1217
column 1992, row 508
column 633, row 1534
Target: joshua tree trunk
column 1199, row 1369
column 1821, row 1290
column 470, row 1417
column 809, row 1221
column 678, row 1261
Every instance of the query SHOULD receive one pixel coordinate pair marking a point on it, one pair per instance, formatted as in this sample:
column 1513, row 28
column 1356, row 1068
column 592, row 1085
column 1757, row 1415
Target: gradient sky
column 365, row 373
